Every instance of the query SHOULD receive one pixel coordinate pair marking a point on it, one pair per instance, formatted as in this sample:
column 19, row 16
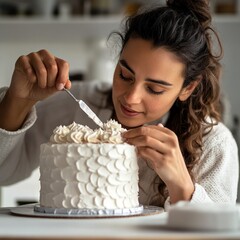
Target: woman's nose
column 133, row 95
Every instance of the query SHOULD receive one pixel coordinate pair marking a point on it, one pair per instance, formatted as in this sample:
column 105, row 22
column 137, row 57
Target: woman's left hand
column 159, row 147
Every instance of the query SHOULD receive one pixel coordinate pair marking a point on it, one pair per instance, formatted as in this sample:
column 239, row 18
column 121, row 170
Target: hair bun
column 198, row 8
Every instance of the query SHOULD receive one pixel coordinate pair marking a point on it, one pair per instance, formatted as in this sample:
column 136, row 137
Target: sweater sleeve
column 12, row 166
column 217, row 172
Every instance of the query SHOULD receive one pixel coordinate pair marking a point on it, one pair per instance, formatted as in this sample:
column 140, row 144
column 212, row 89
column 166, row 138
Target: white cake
column 84, row 168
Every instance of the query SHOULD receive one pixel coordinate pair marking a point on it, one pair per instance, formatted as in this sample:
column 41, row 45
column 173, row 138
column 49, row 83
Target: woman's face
column 147, row 81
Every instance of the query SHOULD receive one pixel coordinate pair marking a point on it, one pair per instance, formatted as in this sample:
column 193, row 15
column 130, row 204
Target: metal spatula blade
column 86, row 109
column 90, row 113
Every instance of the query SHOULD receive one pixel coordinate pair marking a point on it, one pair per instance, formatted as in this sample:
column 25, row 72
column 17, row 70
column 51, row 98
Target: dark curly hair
column 184, row 28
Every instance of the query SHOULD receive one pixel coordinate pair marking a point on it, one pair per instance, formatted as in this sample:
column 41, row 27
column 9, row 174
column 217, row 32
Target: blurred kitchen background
column 77, row 31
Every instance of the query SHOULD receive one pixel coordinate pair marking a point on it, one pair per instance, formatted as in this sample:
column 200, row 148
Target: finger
column 24, row 67
column 63, row 74
column 68, row 84
column 150, row 154
column 39, row 69
column 51, row 67
column 149, row 142
column 153, row 131
column 152, row 158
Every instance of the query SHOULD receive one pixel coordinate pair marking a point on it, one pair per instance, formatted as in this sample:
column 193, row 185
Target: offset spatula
column 86, row 109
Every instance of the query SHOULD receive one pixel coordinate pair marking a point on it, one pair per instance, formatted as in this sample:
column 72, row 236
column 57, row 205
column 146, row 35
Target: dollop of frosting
column 77, row 133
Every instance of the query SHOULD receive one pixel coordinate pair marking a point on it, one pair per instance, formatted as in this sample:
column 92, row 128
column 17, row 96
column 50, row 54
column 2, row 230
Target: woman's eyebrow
column 161, row 82
column 125, row 64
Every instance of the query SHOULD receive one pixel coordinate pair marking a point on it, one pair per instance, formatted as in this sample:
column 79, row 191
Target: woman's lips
column 129, row 112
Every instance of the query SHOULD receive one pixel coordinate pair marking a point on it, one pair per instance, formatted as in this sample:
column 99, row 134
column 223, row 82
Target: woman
column 165, row 92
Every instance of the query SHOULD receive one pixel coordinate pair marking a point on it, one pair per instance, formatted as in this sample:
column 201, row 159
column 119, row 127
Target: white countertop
column 138, row 227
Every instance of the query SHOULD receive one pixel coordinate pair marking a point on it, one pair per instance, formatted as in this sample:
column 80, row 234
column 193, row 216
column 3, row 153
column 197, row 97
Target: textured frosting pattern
column 76, row 133
column 102, row 176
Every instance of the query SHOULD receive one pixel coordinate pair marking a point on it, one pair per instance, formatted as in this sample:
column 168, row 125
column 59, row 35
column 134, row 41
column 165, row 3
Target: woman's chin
column 128, row 125
column 128, row 122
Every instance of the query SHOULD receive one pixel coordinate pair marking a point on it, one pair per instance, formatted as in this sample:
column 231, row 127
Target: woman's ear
column 187, row 91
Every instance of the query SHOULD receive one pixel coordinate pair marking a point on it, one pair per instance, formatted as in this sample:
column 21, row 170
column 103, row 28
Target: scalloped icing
column 102, row 176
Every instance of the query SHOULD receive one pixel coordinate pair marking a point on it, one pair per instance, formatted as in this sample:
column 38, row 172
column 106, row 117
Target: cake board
column 29, row 210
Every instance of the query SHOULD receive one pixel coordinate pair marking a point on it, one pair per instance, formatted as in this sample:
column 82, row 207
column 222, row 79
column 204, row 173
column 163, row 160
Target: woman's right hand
column 38, row 75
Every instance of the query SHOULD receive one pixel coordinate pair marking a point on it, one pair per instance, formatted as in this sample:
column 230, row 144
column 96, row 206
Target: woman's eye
column 124, row 77
column 150, row 90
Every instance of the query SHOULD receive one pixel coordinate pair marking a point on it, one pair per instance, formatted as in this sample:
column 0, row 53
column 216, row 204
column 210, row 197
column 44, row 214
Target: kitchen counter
column 149, row 227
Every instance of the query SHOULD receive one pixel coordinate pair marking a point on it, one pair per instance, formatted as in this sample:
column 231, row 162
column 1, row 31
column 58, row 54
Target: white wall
column 230, row 35
column 73, row 52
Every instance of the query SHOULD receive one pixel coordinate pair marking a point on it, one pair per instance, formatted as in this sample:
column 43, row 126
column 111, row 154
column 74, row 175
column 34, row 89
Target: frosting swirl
column 77, row 133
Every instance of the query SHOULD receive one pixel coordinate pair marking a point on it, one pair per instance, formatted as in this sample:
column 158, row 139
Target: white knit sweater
column 216, row 174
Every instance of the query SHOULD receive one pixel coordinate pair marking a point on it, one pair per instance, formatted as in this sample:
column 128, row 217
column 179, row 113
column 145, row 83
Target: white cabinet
column 69, row 39
column 57, row 30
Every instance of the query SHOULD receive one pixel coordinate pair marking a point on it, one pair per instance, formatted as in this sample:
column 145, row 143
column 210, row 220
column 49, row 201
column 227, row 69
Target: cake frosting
column 85, row 168
column 76, row 133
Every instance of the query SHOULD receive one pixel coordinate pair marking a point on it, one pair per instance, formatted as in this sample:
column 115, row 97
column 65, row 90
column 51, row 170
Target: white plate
column 203, row 216
column 28, row 210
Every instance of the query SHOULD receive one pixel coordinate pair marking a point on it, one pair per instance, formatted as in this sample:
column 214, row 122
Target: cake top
column 77, row 133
